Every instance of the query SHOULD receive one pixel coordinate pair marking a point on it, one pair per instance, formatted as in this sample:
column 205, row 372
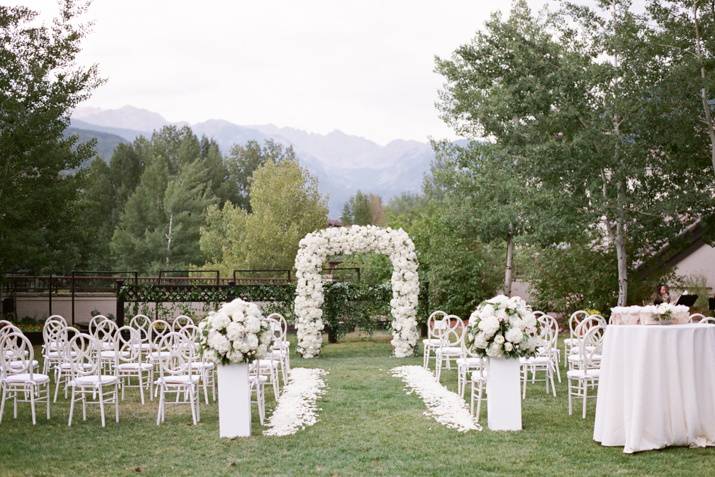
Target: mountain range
column 343, row 163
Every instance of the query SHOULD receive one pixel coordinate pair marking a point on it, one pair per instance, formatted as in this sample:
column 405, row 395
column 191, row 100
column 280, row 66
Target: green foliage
column 285, row 205
column 354, row 305
column 244, row 160
column 363, row 209
column 40, row 83
column 573, row 277
column 159, row 225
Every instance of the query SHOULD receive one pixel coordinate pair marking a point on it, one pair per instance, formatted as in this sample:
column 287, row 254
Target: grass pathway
column 367, row 425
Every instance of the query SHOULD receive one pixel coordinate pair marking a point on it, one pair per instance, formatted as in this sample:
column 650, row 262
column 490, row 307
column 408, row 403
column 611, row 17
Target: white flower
column 514, row 335
column 499, row 339
column 508, row 346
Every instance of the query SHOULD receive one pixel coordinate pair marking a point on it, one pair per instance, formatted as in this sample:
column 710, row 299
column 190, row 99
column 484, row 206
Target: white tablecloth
column 657, row 387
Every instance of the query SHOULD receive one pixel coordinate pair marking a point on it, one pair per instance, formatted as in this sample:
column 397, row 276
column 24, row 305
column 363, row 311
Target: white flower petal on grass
column 443, row 405
column 297, row 404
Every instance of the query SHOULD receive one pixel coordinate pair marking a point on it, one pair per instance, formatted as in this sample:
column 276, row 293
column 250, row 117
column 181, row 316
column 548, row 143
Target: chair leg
column 585, row 397
column 84, row 404
column 204, row 384
column 479, row 401
column 141, row 385
column 47, row 390
column 32, row 405
column 191, row 401
column 69, row 423
column 161, row 405
column 2, row 403
column 58, row 378
column 101, row 404
column 116, row 402
column 570, row 397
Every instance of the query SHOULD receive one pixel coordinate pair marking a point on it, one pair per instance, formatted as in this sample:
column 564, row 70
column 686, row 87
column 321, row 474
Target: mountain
column 106, row 142
column 342, row 163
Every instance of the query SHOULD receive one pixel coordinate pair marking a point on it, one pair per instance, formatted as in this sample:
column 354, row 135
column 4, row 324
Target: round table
column 656, row 387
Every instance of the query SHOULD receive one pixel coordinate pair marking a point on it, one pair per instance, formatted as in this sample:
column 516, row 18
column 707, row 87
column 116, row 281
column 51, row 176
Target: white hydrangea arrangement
column 503, row 327
column 236, row 333
column 316, row 247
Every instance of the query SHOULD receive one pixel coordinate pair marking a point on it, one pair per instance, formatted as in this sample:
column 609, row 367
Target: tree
column 571, row 99
column 243, row 160
column 40, row 83
column 363, row 209
column 159, row 225
column 285, row 206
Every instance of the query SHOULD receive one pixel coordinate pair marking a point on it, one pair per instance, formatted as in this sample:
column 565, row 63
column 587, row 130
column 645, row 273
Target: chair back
column 574, row 320
column 181, row 351
column 191, row 332
column 105, row 332
column 6, row 328
column 181, row 321
column 16, row 354
column 140, row 321
column 277, row 330
column 83, row 355
column 708, row 320
column 157, row 330
column 433, row 318
column 452, row 332
column 588, row 323
column 590, row 346
column 95, row 322
column 128, row 344
column 695, row 317
column 54, row 334
column 284, row 324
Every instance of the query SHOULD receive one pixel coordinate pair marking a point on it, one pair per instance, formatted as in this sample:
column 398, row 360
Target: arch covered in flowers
column 316, row 247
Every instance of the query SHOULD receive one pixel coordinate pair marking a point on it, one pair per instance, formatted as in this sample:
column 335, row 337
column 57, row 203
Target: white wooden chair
column 695, row 317
column 206, row 369
column 431, row 343
column 158, row 329
column 586, row 374
column 573, row 340
column 95, row 322
column 282, row 344
column 54, row 338
column 279, row 352
column 581, row 330
column 177, row 376
column 63, row 376
column 544, row 360
column 18, row 380
column 257, row 383
column 450, row 345
column 88, row 384
column 708, row 320
column 129, row 362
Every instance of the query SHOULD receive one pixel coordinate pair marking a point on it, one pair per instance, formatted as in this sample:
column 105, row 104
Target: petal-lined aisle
column 297, row 405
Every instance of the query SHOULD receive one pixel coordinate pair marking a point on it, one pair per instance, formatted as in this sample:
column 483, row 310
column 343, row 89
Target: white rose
column 508, row 346
column 499, row 339
column 514, row 335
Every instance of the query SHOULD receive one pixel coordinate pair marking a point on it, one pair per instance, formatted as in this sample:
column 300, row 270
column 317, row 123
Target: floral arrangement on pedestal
column 316, row 247
column 236, row 333
column 503, row 327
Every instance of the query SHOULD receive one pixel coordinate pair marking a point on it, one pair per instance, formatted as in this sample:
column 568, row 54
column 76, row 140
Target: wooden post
column 49, row 295
column 120, row 303
column 72, row 288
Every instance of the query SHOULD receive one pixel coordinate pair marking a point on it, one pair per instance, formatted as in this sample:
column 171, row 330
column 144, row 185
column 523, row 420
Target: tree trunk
column 704, row 93
column 621, row 256
column 509, row 262
column 169, row 236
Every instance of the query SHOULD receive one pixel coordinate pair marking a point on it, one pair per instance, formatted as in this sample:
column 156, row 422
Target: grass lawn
column 367, row 426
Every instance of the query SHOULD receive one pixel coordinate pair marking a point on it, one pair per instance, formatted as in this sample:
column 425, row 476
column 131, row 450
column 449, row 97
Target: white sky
column 364, row 67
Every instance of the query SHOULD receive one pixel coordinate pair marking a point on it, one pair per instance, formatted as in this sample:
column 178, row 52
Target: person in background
column 662, row 294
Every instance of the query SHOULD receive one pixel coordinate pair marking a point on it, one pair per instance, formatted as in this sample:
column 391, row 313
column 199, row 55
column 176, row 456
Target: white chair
column 177, row 376
column 157, row 330
column 54, row 338
column 548, row 321
column 129, row 363
column 573, row 340
column 450, row 345
column 88, row 381
column 431, row 343
column 181, row 321
column 282, row 344
column 695, row 317
column 106, row 333
column 63, row 367
column 586, row 374
column 257, row 383
column 708, row 320
column 206, row 369
column 544, row 360
column 18, row 380
column 478, row 378
column 582, row 329
column 278, row 351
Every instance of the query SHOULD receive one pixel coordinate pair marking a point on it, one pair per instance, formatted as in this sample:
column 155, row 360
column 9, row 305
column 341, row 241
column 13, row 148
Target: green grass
column 367, row 426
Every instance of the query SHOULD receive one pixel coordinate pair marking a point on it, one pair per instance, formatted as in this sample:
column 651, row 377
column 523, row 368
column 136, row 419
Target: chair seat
column 281, row 345
column 202, row 365
column 134, row 366
column 113, row 354
column 254, row 379
column 430, row 342
column 179, row 379
column 107, row 346
column 577, row 350
column 85, row 366
column 94, row 381
column 473, row 361
column 477, row 376
column 26, row 378
column 581, row 374
column 22, row 364
column 576, row 358
column 143, row 346
column 159, row 355
column 450, row 351
column 572, row 341
column 58, row 354
column 536, row 360
column 275, row 355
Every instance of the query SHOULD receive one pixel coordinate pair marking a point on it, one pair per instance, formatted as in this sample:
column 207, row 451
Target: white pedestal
column 504, row 395
column 234, row 401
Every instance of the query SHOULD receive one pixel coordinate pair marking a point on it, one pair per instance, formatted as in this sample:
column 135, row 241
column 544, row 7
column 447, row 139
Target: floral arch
column 316, row 247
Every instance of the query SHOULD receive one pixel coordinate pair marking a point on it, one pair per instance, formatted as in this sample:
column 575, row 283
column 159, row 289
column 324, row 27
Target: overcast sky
column 364, row 67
